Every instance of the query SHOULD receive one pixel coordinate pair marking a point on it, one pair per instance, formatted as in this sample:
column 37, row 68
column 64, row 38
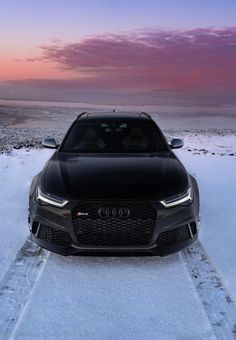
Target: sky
column 136, row 52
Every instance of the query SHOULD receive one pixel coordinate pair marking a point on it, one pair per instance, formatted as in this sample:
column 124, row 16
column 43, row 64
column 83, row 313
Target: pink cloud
column 155, row 59
column 141, row 61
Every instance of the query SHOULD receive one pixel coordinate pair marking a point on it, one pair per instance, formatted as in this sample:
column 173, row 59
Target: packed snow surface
column 16, row 173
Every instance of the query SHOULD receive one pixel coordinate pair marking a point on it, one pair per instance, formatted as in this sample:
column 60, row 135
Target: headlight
column 184, row 199
column 50, row 199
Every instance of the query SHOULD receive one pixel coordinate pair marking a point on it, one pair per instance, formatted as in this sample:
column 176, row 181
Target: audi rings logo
column 106, row 212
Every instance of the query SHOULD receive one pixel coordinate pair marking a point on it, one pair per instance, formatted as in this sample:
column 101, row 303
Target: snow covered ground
column 216, row 177
column 122, row 297
column 16, row 172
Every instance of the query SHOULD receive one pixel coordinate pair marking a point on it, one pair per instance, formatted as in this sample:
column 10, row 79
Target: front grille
column 134, row 230
column 174, row 236
column 51, row 235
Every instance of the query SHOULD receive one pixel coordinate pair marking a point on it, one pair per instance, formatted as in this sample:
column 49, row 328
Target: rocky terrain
column 19, row 138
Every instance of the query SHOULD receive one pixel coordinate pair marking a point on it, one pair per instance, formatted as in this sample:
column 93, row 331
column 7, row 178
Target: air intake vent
column 93, row 227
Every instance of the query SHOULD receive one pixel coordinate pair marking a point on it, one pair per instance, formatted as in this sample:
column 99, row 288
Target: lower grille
column 174, row 236
column 134, row 230
column 51, row 235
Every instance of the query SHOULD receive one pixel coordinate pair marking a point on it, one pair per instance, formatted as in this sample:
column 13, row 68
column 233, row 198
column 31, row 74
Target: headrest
column 136, row 133
column 91, row 134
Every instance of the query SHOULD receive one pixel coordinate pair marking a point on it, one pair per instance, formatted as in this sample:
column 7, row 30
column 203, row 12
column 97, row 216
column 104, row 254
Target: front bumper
column 168, row 222
column 74, row 250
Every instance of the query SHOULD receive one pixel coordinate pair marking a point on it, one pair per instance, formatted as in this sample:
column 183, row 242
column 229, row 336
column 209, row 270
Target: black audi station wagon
column 114, row 185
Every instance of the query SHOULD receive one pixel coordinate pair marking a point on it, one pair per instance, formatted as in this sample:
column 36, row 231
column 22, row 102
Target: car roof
column 85, row 116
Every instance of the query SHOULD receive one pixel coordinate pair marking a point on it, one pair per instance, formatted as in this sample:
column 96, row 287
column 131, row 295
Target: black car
column 114, row 185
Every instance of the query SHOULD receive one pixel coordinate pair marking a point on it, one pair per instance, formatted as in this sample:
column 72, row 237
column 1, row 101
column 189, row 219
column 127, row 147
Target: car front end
column 114, row 185
column 110, row 226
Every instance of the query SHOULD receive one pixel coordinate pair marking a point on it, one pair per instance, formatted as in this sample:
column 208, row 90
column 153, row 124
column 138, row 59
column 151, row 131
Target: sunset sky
column 121, row 52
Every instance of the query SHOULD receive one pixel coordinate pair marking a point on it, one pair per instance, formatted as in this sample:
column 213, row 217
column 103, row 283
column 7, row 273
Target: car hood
column 152, row 177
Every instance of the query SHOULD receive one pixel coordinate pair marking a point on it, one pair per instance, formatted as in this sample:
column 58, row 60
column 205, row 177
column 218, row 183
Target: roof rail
column 81, row 114
column 146, row 114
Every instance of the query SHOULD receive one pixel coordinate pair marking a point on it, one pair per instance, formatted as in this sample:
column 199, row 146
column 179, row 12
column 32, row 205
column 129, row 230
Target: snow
column 213, row 142
column 216, row 177
column 16, row 173
column 123, row 297
column 114, row 298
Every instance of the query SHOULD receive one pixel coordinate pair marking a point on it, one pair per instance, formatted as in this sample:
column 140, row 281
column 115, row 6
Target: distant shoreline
column 59, row 115
column 209, row 109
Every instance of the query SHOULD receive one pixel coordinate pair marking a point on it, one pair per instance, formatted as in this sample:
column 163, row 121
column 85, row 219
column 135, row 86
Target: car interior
column 113, row 137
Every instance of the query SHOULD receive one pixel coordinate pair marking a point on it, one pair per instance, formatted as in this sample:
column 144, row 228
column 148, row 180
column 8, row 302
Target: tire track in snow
column 19, row 281
column 217, row 302
column 17, row 285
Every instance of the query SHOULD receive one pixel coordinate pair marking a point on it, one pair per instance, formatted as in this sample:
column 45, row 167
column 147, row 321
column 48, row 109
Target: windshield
column 114, row 137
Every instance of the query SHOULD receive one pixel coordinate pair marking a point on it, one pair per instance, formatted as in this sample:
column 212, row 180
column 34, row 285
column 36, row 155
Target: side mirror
column 49, row 143
column 176, row 143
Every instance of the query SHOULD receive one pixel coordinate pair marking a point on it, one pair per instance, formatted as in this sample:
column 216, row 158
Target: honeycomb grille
column 172, row 237
column 136, row 230
column 51, row 235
